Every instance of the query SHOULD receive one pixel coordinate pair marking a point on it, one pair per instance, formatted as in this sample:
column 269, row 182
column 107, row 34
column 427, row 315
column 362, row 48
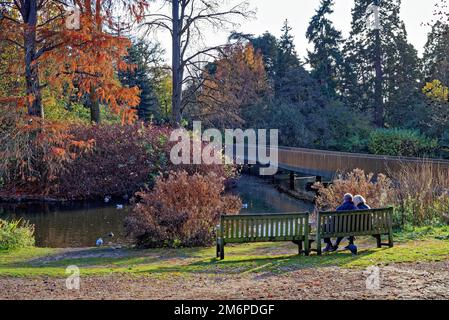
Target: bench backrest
column 360, row 222
column 266, row 227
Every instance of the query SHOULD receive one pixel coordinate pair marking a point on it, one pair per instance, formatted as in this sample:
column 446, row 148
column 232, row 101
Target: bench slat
column 255, row 228
column 363, row 222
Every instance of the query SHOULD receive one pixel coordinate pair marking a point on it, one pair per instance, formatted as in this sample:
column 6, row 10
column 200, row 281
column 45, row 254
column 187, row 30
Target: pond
column 80, row 224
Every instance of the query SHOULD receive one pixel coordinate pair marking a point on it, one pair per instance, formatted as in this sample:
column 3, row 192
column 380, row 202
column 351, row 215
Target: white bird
column 99, row 242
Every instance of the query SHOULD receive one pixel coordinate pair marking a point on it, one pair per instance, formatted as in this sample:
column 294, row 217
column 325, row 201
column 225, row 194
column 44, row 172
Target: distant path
column 402, row 281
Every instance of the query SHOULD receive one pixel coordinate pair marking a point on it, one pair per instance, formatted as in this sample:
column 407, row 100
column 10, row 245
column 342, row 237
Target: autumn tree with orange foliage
column 44, row 53
column 237, row 79
column 97, row 51
column 33, row 151
column 55, row 56
column 26, row 25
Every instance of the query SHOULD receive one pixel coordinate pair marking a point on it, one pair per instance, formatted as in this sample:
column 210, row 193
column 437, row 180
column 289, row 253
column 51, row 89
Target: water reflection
column 74, row 225
column 261, row 197
column 80, row 224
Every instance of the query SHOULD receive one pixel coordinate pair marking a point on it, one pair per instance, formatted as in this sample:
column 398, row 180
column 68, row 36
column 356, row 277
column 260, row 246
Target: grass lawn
column 414, row 245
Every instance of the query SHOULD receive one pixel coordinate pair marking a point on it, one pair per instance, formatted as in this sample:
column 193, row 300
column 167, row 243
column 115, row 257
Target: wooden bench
column 374, row 222
column 264, row 228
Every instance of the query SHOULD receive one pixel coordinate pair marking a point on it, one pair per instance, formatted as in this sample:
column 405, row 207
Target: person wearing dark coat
column 348, row 205
column 360, row 203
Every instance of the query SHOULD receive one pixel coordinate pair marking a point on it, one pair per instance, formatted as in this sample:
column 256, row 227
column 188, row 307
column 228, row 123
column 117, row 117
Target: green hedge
column 400, row 142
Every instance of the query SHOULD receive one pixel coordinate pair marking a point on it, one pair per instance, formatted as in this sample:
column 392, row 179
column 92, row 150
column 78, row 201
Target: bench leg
column 221, row 249
column 299, row 247
column 306, row 247
column 379, row 240
column 318, row 246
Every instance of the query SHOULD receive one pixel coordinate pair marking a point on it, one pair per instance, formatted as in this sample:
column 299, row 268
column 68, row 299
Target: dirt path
column 402, row 281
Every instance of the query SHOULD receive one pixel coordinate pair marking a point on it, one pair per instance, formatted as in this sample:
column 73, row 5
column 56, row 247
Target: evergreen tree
column 267, row 44
column 326, row 59
column 436, row 74
column 436, row 54
column 404, row 101
column 144, row 56
column 287, row 58
column 400, row 63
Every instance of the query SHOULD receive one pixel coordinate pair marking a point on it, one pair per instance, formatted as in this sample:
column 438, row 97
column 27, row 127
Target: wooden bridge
column 327, row 163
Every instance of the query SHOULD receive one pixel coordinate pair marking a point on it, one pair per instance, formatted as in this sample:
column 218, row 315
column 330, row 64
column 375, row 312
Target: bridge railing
column 327, row 163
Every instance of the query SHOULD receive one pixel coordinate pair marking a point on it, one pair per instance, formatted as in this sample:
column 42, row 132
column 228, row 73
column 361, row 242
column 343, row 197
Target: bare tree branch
column 187, row 24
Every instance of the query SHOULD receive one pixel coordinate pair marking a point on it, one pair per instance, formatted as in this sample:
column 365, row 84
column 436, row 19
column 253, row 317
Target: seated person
column 348, row 205
column 360, row 203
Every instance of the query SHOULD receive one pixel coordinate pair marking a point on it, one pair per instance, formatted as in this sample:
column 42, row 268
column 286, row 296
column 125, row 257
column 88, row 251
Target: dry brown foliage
column 182, row 210
column 378, row 192
column 421, row 193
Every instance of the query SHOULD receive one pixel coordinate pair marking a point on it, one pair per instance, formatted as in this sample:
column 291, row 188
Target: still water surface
column 80, row 224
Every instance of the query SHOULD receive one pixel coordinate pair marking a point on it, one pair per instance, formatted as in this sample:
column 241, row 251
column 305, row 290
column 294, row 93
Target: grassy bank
column 417, row 245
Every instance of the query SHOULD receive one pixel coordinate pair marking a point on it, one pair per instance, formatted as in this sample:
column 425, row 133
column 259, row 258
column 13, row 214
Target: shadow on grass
column 128, row 256
column 271, row 258
column 259, row 264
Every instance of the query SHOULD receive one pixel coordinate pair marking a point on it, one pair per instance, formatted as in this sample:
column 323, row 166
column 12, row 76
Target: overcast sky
column 272, row 13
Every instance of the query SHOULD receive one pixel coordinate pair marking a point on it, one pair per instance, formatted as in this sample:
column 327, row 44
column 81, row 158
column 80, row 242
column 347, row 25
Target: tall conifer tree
column 436, row 53
column 326, row 59
column 400, row 63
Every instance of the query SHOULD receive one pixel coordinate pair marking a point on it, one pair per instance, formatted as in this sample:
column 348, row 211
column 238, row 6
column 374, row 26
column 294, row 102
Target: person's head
column 347, row 197
column 358, row 199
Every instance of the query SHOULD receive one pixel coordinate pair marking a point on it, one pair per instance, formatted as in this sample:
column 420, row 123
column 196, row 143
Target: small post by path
column 292, row 180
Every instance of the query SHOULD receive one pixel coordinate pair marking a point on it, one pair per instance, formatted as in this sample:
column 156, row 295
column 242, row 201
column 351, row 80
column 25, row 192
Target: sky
column 271, row 14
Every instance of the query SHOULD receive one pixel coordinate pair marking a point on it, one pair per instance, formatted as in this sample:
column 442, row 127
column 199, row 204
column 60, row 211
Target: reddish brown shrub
column 73, row 161
column 124, row 159
column 378, row 193
column 121, row 162
column 182, row 210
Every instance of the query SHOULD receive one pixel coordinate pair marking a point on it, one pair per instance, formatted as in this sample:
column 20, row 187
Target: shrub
column 16, row 234
column 398, row 142
column 182, row 210
column 123, row 160
column 120, row 162
column 422, row 194
column 77, row 161
column 226, row 171
column 378, row 192
column 419, row 193
column 34, row 151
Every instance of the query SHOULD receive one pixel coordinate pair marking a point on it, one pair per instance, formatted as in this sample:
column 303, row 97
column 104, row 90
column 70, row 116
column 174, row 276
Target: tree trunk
column 33, row 89
column 378, row 99
column 94, row 105
column 177, row 68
